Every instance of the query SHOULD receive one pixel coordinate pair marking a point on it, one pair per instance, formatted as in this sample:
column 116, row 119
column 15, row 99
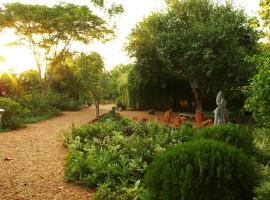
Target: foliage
column 199, row 40
column 35, row 104
column 231, row 134
column 203, row 169
column 262, row 145
column 264, row 13
column 89, row 70
column 13, row 116
column 50, row 31
column 103, row 155
column 120, row 75
column 63, row 102
column 258, row 102
column 158, row 90
column 263, row 192
column 120, row 104
column 10, row 85
column 29, row 81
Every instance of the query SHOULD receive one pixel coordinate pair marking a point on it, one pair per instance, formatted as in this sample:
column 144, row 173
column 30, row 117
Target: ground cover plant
column 113, row 155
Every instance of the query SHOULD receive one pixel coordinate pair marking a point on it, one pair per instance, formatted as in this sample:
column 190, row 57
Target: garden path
column 35, row 171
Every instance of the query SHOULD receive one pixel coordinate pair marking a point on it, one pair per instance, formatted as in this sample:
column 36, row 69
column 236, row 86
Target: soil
column 32, row 159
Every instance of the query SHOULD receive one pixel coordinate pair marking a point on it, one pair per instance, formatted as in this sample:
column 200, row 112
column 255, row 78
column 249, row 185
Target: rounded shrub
column 13, row 115
column 201, row 170
column 231, row 134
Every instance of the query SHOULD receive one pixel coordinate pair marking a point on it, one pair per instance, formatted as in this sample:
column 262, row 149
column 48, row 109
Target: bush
column 63, row 102
column 104, row 155
column 204, row 169
column 120, row 104
column 263, row 192
column 262, row 145
column 36, row 104
column 13, row 115
column 232, row 134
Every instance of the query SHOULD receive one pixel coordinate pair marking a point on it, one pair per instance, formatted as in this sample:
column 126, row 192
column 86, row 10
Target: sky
column 21, row 58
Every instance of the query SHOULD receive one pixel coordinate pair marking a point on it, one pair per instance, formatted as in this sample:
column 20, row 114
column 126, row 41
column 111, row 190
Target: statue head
column 219, row 98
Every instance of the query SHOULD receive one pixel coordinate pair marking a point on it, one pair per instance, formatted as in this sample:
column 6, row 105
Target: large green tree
column 90, row 70
column 202, row 41
column 50, row 31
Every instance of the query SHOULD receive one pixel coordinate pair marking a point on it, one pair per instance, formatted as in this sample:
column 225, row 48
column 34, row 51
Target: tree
column 120, row 75
column 264, row 13
column 50, row 31
column 204, row 42
column 89, row 70
column 258, row 102
column 29, row 80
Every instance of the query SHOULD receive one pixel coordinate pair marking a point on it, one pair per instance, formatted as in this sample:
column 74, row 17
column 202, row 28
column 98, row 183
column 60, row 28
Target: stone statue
column 220, row 113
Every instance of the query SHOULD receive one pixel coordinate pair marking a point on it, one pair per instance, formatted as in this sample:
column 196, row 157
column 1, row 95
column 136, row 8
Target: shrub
column 204, row 169
column 262, row 144
column 120, row 103
column 232, row 134
column 35, row 104
column 263, row 191
column 13, row 115
column 63, row 102
column 104, row 155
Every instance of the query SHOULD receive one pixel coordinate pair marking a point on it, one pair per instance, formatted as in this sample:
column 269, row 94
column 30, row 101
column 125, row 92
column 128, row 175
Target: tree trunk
column 44, row 90
column 199, row 118
column 198, row 99
column 97, row 107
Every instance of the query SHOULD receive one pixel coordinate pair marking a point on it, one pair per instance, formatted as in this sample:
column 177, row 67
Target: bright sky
column 20, row 58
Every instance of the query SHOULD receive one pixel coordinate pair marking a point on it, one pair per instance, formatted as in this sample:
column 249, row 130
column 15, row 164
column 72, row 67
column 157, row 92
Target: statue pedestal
column 199, row 118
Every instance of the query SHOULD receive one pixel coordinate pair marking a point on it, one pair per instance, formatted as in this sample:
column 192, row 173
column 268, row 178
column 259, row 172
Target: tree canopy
column 202, row 41
column 50, row 31
column 90, row 70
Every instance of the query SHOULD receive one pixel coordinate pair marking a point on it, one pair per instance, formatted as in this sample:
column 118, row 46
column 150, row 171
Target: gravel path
column 35, row 171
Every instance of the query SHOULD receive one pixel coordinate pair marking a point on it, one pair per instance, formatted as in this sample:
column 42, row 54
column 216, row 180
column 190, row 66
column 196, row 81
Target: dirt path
column 36, row 169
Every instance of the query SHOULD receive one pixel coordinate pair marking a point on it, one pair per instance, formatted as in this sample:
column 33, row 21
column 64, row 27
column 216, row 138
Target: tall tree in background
column 89, row 70
column 264, row 13
column 204, row 42
column 50, row 31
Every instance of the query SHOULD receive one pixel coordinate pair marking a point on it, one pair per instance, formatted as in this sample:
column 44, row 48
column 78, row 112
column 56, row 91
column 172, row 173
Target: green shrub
column 35, row 104
column 232, row 134
column 120, row 104
column 263, row 191
column 63, row 102
column 13, row 115
column 104, row 155
column 201, row 170
column 262, row 145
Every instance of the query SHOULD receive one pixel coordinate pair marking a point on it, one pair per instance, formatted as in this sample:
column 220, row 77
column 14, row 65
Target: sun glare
column 4, row 69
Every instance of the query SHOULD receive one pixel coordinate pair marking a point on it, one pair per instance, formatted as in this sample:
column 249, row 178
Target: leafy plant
column 14, row 114
column 204, row 169
column 231, row 134
column 258, row 102
column 262, row 145
column 104, row 155
column 263, row 191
